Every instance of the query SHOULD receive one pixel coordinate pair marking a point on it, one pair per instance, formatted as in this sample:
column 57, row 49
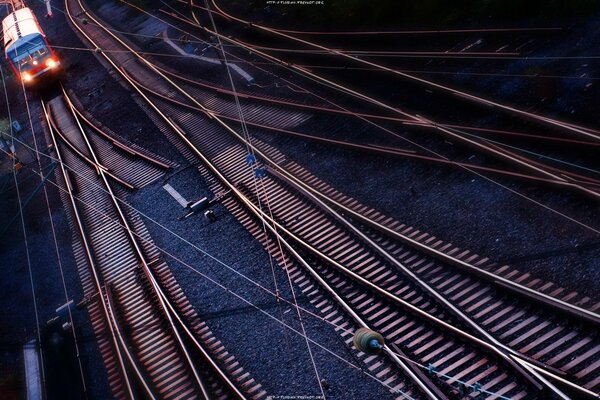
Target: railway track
column 311, row 102
column 153, row 343
column 561, row 174
column 346, row 263
column 279, row 120
column 277, row 123
column 473, row 295
column 549, row 121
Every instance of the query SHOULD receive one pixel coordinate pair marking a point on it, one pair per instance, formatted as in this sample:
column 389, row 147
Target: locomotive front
column 26, row 48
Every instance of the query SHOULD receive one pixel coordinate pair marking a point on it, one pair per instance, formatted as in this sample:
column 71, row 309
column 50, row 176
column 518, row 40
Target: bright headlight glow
column 26, row 77
column 51, row 63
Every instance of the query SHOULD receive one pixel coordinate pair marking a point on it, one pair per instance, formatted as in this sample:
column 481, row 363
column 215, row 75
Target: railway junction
column 213, row 199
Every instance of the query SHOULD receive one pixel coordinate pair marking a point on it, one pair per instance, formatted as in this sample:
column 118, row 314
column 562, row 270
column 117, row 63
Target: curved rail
column 342, row 111
column 169, row 309
column 418, row 119
column 390, row 151
column 110, row 318
column 117, row 143
column 561, row 124
column 178, row 129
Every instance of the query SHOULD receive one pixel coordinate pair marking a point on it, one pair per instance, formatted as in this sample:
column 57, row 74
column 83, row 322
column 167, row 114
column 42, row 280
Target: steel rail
column 141, row 257
column 493, row 342
column 246, row 95
column 425, row 387
column 417, row 118
column 212, row 115
column 371, row 148
column 182, row 135
column 525, row 364
column 492, row 347
column 562, row 124
column 80, row 154
column 109, row 316
column 429, row 389
column 577, row 182
column 493, row 278
column 520, row 289
column 119, row 144
column 237, row 393
column 572, row 177
column 111, row 307
column 275, row 227
column 261, row 215
column 343, row 111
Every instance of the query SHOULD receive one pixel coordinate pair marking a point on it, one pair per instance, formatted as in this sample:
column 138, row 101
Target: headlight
column 26, row 77
column 51, row 63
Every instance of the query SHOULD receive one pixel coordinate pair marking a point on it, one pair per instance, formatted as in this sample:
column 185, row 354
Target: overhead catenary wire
column 496, row 152
column 214, row 258
column 510, row 56
column 391, row 151
column 24, row 230
column 418, row 381
column 271, row 62
column 131, row 207
column 473, row 98
column 251, row 165
column 406, row 71
column 400, row 32
column 429, row 368
column 59, row 261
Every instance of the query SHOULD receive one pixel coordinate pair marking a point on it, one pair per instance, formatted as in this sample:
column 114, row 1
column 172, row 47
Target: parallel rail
column 224, row 160
column 166, row 357
column 561, row 178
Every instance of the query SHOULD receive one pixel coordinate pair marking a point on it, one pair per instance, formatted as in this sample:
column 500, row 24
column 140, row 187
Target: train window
column 31, row 50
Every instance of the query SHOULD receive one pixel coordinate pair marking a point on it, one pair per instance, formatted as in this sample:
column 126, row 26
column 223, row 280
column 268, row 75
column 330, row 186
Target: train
column 27, row 50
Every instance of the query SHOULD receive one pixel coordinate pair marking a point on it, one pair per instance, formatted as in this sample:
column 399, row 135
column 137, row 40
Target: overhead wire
column 24, row 229
column 143, row 239
column 538, row 203
column 334, row 88
column 252, row 166
column 401, row 32
column 61, row 270
column 473, row 98
column 429, row 368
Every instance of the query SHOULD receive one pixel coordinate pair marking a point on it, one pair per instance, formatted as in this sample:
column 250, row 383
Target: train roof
column 19, row 25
